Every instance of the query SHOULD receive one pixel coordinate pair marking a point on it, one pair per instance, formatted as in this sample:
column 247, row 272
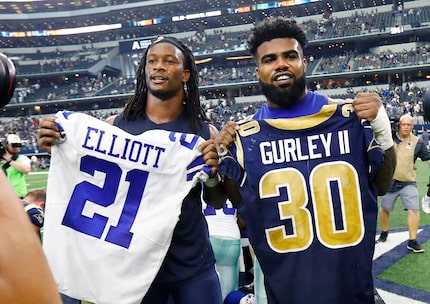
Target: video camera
column 7, row 86
column 7, row 80
column 2, row 150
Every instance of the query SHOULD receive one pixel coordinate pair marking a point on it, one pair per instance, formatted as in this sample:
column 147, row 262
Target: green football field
column 409, row 271
column 37, row 180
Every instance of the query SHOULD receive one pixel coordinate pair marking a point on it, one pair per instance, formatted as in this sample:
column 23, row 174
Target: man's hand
column 48, row 134
column 369, row 106
column 366, row 105
column 213, row 192
column 210, row 155
column 227, row 135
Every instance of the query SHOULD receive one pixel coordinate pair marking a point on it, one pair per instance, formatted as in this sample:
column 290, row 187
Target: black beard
column 285, row 97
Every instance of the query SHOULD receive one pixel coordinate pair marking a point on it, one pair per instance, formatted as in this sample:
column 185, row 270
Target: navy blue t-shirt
column 190, row 252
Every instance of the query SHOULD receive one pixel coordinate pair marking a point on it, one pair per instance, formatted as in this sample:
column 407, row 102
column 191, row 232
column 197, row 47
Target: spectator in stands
column 289, row 205
column 408, row 148
column 167, row 97
column 15, row 165
column 24, row 271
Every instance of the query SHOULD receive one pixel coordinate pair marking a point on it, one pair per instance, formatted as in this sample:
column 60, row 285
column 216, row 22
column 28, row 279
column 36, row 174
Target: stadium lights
column 60, row 32
column 396, row 30
column 200, row 61
column 196, row 16
column 239, row 57
column 148, row 22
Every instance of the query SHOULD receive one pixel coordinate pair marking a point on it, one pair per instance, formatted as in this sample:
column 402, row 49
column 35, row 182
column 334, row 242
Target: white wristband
column 213, row 181
column 381, row 127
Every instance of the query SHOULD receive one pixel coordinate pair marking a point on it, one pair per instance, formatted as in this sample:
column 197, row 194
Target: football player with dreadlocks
column 167, row 98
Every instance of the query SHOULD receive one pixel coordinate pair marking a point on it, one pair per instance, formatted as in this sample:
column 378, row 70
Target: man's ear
column 186, row 76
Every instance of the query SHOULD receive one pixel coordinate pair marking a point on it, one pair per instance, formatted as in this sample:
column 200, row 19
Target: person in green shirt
column 15, row 166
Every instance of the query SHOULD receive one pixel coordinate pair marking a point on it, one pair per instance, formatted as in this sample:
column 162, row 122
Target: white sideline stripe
column 391, row 298
column 393, row 240
column 36, row 173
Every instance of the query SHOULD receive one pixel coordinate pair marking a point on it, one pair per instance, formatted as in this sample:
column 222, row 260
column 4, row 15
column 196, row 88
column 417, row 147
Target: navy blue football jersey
column 35, row 213
column 309, row 204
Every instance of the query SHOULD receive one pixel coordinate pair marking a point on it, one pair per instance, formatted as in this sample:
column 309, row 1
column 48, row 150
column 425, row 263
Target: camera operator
column 15, row 166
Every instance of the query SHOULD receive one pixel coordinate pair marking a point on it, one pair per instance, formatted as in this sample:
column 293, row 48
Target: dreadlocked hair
column 136, row 104
column 272, row 28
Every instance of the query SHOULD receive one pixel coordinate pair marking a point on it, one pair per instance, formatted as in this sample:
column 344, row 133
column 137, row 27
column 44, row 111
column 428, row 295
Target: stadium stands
column 376, row 47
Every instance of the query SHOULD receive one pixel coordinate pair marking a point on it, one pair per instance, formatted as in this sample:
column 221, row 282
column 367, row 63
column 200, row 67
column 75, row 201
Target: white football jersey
column 222, row 222
column 113, row 200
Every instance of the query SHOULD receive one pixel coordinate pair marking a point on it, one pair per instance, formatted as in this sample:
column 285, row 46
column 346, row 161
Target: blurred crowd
column 396, row 100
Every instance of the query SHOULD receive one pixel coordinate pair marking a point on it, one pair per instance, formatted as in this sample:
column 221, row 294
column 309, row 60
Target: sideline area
column 388, row 253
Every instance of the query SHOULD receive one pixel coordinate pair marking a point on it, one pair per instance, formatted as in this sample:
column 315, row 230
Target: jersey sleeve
column 229, row 166
column 35, row 214
column 374, row 151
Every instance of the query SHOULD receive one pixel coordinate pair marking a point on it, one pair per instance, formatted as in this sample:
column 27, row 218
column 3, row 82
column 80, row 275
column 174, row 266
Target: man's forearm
column 384, row 175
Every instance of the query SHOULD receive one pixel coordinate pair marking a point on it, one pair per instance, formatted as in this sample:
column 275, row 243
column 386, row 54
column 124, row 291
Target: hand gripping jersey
column 113, row 200
column 309, row 205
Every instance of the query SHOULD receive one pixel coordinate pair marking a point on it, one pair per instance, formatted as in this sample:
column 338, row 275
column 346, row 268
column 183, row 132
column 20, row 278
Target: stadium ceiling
column 158, row 6
column 24, row 18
